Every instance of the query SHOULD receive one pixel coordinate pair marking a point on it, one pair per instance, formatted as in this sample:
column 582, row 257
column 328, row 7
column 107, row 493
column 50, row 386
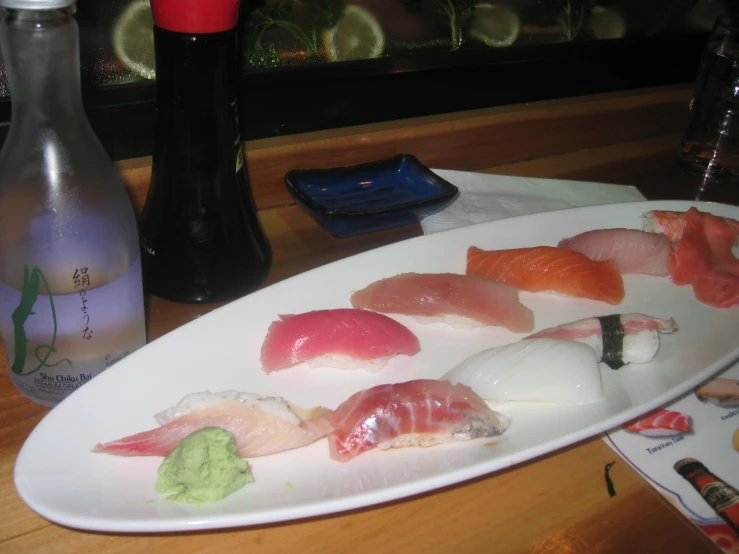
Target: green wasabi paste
column 203, row 468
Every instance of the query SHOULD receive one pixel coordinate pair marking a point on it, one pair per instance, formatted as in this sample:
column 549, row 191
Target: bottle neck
column 196, row 97
column 41, row 52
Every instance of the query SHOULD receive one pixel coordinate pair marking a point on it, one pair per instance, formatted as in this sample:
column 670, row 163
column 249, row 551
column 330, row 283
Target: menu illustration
column 689, row 451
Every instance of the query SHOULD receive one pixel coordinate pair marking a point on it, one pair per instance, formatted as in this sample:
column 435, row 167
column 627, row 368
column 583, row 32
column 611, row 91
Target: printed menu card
column 689, row 451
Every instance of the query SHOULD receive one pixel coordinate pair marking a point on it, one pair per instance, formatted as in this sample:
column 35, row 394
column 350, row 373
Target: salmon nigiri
column 548, row 268
column 662, row 423
column 345, row 338
column 260, row 425
column 422, row 412
column 450, row 297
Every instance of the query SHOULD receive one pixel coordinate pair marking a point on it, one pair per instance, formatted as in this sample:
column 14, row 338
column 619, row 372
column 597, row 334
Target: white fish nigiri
column 632, row 250
column 261, row 425
column 534, row 370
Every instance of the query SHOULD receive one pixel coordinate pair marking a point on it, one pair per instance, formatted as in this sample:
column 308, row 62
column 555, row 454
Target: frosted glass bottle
column 71, row 294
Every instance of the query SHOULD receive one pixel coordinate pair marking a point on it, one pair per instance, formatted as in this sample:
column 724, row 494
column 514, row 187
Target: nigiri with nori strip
column 346, row 338
column 549, row 269
column 260, row 425
column 662, row 423
column 617, row 339
column 632, row 250
column 537, row 370
column 422, row 412
column 459, row 300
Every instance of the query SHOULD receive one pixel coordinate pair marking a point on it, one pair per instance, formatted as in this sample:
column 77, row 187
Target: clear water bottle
column 71, row 295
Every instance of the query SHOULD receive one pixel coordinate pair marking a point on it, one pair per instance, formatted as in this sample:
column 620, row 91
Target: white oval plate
column 59, row 477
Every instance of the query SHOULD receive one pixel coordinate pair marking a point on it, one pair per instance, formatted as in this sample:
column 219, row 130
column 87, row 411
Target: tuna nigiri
column 632, row 250
column 536, row 370
column 546, row 268
column 617, row 339
column 345, row 338
column 662, row 423
column 422, row 412
column 453, row 298
column 672, row 223
column 261, row 425
column 702, row 256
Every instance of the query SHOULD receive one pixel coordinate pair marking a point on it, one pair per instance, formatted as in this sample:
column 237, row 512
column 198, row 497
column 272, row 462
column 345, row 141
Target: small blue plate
column 348, row 201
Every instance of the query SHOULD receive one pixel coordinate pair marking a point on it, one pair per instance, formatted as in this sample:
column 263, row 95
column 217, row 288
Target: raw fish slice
column 435, row 295
column 662, row 423
column 633, row 251
column 348, row 338
column 672, row 224
column 703, row 258
column 546, row 268
column 422, row 412
column 536, row 370
column 617, row 339
column 261, row 426
column 722, row 392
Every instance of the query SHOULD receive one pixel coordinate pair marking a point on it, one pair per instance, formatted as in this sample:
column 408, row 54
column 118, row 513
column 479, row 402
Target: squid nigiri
column 460, row 300
column 536, row 370
column 617, row 339
column 343, row 338
column 260, row 425
column 546, row 268
column 632, row 250
column 423, row 412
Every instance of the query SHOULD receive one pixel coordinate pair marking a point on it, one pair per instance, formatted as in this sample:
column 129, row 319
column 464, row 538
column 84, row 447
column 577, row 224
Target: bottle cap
column 36, row 4
column 195, row 16
column 680, row 464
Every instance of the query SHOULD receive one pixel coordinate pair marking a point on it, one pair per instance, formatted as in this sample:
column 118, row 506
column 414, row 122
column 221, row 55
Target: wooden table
column 557, row 504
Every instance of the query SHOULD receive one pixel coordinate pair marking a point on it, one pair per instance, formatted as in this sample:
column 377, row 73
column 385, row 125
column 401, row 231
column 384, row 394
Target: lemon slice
column 704, row 14
column 133, row 38
column 357, row 36
column 495, row 25
column 604, row 23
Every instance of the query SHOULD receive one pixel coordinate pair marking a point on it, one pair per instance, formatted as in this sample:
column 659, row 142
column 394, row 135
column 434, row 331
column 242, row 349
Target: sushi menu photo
column 689, row 451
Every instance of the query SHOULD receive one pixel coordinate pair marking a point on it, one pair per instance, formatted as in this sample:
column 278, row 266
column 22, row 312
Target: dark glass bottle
column 201, row 239
column 721, row 496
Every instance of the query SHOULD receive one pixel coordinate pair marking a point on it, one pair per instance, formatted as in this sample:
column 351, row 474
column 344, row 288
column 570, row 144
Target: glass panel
column 117, row 45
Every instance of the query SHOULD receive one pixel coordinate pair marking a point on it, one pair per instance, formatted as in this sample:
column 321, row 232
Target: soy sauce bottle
column 201, row 240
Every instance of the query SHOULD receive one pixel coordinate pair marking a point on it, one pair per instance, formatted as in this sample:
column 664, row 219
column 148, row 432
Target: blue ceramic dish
column 348, row 201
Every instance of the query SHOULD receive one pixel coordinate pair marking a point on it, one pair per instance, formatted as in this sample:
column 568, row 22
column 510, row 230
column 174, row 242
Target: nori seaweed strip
column 609, row 482
column 613, row 340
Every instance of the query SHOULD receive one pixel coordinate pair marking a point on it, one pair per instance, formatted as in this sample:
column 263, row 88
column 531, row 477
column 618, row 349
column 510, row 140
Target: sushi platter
column 66, row 473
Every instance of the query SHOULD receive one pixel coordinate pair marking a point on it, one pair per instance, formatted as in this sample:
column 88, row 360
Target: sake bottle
column 200, row 237
column 71, row 294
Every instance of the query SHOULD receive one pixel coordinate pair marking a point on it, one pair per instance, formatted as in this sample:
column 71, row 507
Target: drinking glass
column 710, row 146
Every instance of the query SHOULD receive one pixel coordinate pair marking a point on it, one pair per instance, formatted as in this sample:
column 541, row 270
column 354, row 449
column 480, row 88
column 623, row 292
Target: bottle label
column 57, row 342
column 35, row 283
column 720, row 495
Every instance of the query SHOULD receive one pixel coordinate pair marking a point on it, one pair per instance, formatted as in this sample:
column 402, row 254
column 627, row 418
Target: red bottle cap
column 195, row 16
